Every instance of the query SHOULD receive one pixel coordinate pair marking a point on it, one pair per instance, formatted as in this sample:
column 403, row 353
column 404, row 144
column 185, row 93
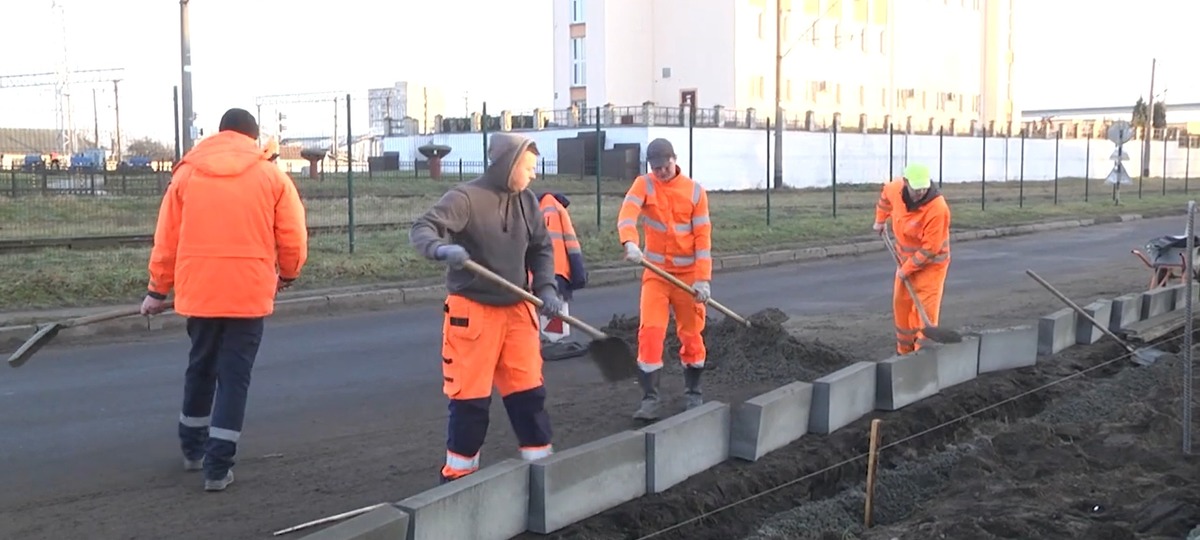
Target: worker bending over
column 231, row 233
column 921, row 225
column 570, row 274
column 490, row 336
column 673, row 210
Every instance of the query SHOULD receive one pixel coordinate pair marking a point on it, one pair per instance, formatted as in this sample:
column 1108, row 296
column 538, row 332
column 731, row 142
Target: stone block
column 1126, row 310
column 842, row 397
column 685, row 444
column 421, row 295
column 776, row 257
column 770, row 421
column 1007, row 348
column 383, row 523
column 580, row 482
column 1086, row 333
column 1181, row 296
column 809, row 254
column 838, row 250
column 957, row 362
column 1056, row 331
column 1155, row 302
column 492, row 502
column 739, row 261
column 905, row 379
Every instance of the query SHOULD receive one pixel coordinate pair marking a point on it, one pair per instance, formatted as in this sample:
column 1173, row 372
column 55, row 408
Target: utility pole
column 95, row 120
column 117, row 109
column 779, row 124
column 185, row 52
column 1149, row 126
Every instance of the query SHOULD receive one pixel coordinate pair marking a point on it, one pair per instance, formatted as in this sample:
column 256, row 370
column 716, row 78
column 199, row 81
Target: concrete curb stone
column 13, row 332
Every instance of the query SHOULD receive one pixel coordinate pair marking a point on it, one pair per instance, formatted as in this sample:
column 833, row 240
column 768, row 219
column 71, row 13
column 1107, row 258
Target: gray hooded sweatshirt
column 501, row 229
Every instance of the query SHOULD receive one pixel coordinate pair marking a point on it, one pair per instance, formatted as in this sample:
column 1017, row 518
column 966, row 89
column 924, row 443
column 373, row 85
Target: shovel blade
column 1147, row 356
column 614, row 359
column 33, row 344
column 942, row 335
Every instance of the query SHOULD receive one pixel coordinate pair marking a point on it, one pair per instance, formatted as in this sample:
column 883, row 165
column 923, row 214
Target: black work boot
column 649, row 407
column 693, row 396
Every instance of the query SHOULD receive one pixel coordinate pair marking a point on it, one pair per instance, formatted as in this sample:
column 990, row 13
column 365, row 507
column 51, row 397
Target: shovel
column 940, row 335
column 679, row 283
column 611, row 354
column 46, row 333
column 1143, row 356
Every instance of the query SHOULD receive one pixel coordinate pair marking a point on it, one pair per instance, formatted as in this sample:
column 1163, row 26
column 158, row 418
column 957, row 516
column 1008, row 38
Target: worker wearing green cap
column 921, row 225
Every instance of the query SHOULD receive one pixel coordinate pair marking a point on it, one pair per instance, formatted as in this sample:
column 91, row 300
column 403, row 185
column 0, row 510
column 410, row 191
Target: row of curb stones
column 386, row 298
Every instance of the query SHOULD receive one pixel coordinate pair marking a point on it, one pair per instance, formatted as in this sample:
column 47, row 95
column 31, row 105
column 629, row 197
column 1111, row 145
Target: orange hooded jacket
column 674, row 215
column 922, row 228
column 229, row 227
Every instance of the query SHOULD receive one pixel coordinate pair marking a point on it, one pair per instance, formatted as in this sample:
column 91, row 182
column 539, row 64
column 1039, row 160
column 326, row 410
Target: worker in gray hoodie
column 491, row 336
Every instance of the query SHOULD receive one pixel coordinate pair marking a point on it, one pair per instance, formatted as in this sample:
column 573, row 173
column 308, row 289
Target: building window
column 578, row 63
column 760, row 87
column 883, row 37
column 761, row 30
column 789, row 90
column 862, row 96
column 576, row 11
column 975, row 104
column 581, row 104
column 860, row 11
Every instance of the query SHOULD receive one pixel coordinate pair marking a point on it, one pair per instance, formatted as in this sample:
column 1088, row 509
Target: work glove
column 633, row 253
column 552, row 305
column 153, row 306
column 703, row 291
column 878, row 228
column 453, row 255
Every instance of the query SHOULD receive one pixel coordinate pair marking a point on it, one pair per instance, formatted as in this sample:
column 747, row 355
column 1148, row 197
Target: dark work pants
column 215, row 388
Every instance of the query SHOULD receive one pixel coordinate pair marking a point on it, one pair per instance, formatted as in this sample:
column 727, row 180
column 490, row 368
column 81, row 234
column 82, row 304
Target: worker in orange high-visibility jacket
column 570, row 274
column 673, row 211
column 921, row 225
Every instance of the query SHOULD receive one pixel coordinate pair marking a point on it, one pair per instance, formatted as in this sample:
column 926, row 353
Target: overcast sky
column 247, row 48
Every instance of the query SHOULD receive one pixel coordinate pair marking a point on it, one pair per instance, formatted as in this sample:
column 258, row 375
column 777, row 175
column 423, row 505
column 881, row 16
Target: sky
column 1069, row 53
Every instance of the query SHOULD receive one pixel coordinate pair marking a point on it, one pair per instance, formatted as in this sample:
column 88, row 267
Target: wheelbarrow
column 1166, row 257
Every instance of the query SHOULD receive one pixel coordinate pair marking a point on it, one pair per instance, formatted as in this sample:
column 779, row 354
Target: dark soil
column 1116, row 478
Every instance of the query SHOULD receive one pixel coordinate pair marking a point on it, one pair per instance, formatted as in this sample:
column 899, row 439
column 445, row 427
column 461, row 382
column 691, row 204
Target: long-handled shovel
column 940, row 335
column 611, row 354
column 679, row 283
column 1143, row 356
column 47, row 332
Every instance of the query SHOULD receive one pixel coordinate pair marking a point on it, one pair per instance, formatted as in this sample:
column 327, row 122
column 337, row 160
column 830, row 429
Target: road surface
column 347, row 411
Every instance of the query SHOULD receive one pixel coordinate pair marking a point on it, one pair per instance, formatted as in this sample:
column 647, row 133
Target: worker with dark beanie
column 231, row 233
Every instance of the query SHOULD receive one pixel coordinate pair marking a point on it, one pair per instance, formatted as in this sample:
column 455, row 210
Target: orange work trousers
column 486, row 345
column 659, row 298
column 929, row 282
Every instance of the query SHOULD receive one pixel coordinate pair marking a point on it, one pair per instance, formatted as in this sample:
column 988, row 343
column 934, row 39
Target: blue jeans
column 215, row 387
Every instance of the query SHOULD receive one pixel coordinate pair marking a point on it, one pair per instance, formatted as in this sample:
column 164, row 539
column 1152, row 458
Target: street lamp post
column 185, row 49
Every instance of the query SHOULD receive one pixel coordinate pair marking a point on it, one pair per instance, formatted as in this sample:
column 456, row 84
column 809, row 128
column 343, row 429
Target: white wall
column 561, row 42
column 731, row 159
column 698, row 45
column 625, row 68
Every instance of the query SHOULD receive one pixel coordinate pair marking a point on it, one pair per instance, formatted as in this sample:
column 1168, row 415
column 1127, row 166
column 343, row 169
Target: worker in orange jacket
column 231, row 233
column 489, row 335
column 673, row 210
column 570, row 274
column 921, row 225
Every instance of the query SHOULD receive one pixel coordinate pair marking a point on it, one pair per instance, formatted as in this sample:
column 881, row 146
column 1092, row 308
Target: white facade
column 946, row 59
column 411, row 107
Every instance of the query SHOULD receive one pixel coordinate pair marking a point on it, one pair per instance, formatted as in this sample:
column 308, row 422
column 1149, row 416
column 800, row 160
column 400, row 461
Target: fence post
column 1187, row 164
column 941, row 141
column 833, row 166
column 178, row 147
column 1087, row 167
column 983, row 174
column 768, row 185
column 349, row 175
column 891, row 153
column 599, row 162
column 1057, row 140
column 483, row 130
column 1189, row 328
column 1021, row 174
column 1164, row 154
column 691, row 132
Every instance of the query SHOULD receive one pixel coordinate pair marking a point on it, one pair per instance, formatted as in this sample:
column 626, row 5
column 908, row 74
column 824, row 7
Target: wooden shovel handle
column 108, row 315
column 679, row 283
column 499, row 281
column 887, row 240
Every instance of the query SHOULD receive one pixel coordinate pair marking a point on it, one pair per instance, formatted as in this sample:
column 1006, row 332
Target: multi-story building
column 940, row 59
column 406, row 108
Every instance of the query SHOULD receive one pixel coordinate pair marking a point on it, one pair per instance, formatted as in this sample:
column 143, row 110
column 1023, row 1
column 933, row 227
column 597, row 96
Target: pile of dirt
column 737, row 354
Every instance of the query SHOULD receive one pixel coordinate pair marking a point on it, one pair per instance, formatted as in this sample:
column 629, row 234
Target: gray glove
column 552, row 305
column 453, row 255
column 703, row 291
column 633, row 254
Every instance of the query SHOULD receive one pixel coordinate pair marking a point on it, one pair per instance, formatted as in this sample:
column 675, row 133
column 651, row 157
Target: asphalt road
column 74, row 417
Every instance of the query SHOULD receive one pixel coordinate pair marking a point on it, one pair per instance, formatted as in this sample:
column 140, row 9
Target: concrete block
column 739, row 261
column 905, row 379
column 812, row 253
column 957, row 362
column 1086, row 333
column 839, row 250
column 1007, row 348
column 770, row 421
column 1155, row 302
column 842, row 397
column 383, row 523
column 1181, row 296
column 1056, row 331
column 580, row 482
column 492, row 502
column 420, row 295
column 776, row 257
column 685, row 444
column 1126, row 310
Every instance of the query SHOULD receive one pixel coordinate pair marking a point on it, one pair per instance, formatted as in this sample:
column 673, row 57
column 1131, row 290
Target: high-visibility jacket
column 568, row 255
column 921, row 228
column 674, row 216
